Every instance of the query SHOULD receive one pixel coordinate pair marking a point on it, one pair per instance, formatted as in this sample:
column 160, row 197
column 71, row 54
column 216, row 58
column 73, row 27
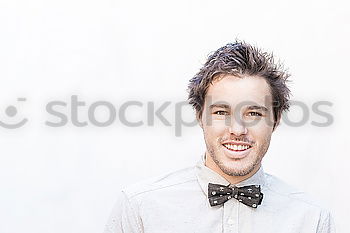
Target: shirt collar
column 206, row 175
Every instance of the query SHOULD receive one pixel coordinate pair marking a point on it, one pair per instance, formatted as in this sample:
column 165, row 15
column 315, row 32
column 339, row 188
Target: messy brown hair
column 241, row 59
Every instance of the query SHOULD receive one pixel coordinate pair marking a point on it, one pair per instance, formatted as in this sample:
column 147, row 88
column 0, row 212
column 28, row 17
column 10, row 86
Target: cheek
column 261, row 133
column 262, row 140
column 212, row 131
column 213, row 134
column 215, row 126
column 262, row 125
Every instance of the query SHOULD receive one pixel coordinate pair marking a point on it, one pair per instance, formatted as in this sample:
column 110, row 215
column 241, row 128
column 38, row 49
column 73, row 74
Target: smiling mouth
column 237, row 151
column 236, row 148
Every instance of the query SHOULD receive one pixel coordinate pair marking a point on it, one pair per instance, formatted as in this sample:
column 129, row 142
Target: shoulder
column 291, row 193
column 173, row 179
column 285, row 198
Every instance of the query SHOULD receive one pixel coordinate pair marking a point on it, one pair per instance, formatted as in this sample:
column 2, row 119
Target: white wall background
column 66, row 179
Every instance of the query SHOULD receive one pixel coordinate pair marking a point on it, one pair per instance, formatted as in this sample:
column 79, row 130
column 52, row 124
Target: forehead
column 237, row 90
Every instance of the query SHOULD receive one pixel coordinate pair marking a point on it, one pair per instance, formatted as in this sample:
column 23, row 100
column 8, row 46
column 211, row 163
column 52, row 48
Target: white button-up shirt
column 178, row 203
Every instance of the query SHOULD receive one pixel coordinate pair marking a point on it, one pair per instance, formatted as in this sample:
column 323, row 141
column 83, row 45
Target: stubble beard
column 244, row 168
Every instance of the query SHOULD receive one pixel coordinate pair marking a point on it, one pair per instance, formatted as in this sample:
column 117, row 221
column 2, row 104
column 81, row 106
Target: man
column 239, row 95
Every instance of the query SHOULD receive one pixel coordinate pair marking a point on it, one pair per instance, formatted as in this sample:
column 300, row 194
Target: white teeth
column 235, row 147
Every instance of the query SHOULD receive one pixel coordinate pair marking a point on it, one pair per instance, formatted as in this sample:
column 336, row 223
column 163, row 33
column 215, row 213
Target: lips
column 235, row 147
column 237, row 150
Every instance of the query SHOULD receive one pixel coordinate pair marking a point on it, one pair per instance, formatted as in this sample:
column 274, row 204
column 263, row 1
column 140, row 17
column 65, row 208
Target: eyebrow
column 258, row 107
column 252, row 107
column 219, row 106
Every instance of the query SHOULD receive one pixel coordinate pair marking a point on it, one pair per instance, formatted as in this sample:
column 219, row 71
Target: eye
column 254, row 114
column 221, row 113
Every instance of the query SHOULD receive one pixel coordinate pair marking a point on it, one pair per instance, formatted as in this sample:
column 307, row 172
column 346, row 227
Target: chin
column 237, row 167
column 238, row 171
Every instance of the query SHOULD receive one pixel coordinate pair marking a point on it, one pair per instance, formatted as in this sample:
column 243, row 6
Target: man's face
column 237, row 123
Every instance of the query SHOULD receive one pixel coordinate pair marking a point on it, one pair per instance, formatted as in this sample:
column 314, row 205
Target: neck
column 209, row 162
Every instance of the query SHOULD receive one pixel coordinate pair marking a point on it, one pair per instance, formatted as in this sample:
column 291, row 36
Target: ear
column 199, row 120
column 277, row 122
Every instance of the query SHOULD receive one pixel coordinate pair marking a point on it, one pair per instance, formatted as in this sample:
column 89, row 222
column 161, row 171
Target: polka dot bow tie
column 249, row 195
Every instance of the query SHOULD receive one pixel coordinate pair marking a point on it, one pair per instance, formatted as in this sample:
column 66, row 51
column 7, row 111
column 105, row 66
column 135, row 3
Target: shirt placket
column 230, row 218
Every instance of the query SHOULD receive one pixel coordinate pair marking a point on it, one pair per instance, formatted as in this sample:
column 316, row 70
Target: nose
column 237, row 127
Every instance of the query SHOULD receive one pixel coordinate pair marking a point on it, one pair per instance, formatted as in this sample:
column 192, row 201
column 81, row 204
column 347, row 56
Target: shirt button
column 230, row 221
